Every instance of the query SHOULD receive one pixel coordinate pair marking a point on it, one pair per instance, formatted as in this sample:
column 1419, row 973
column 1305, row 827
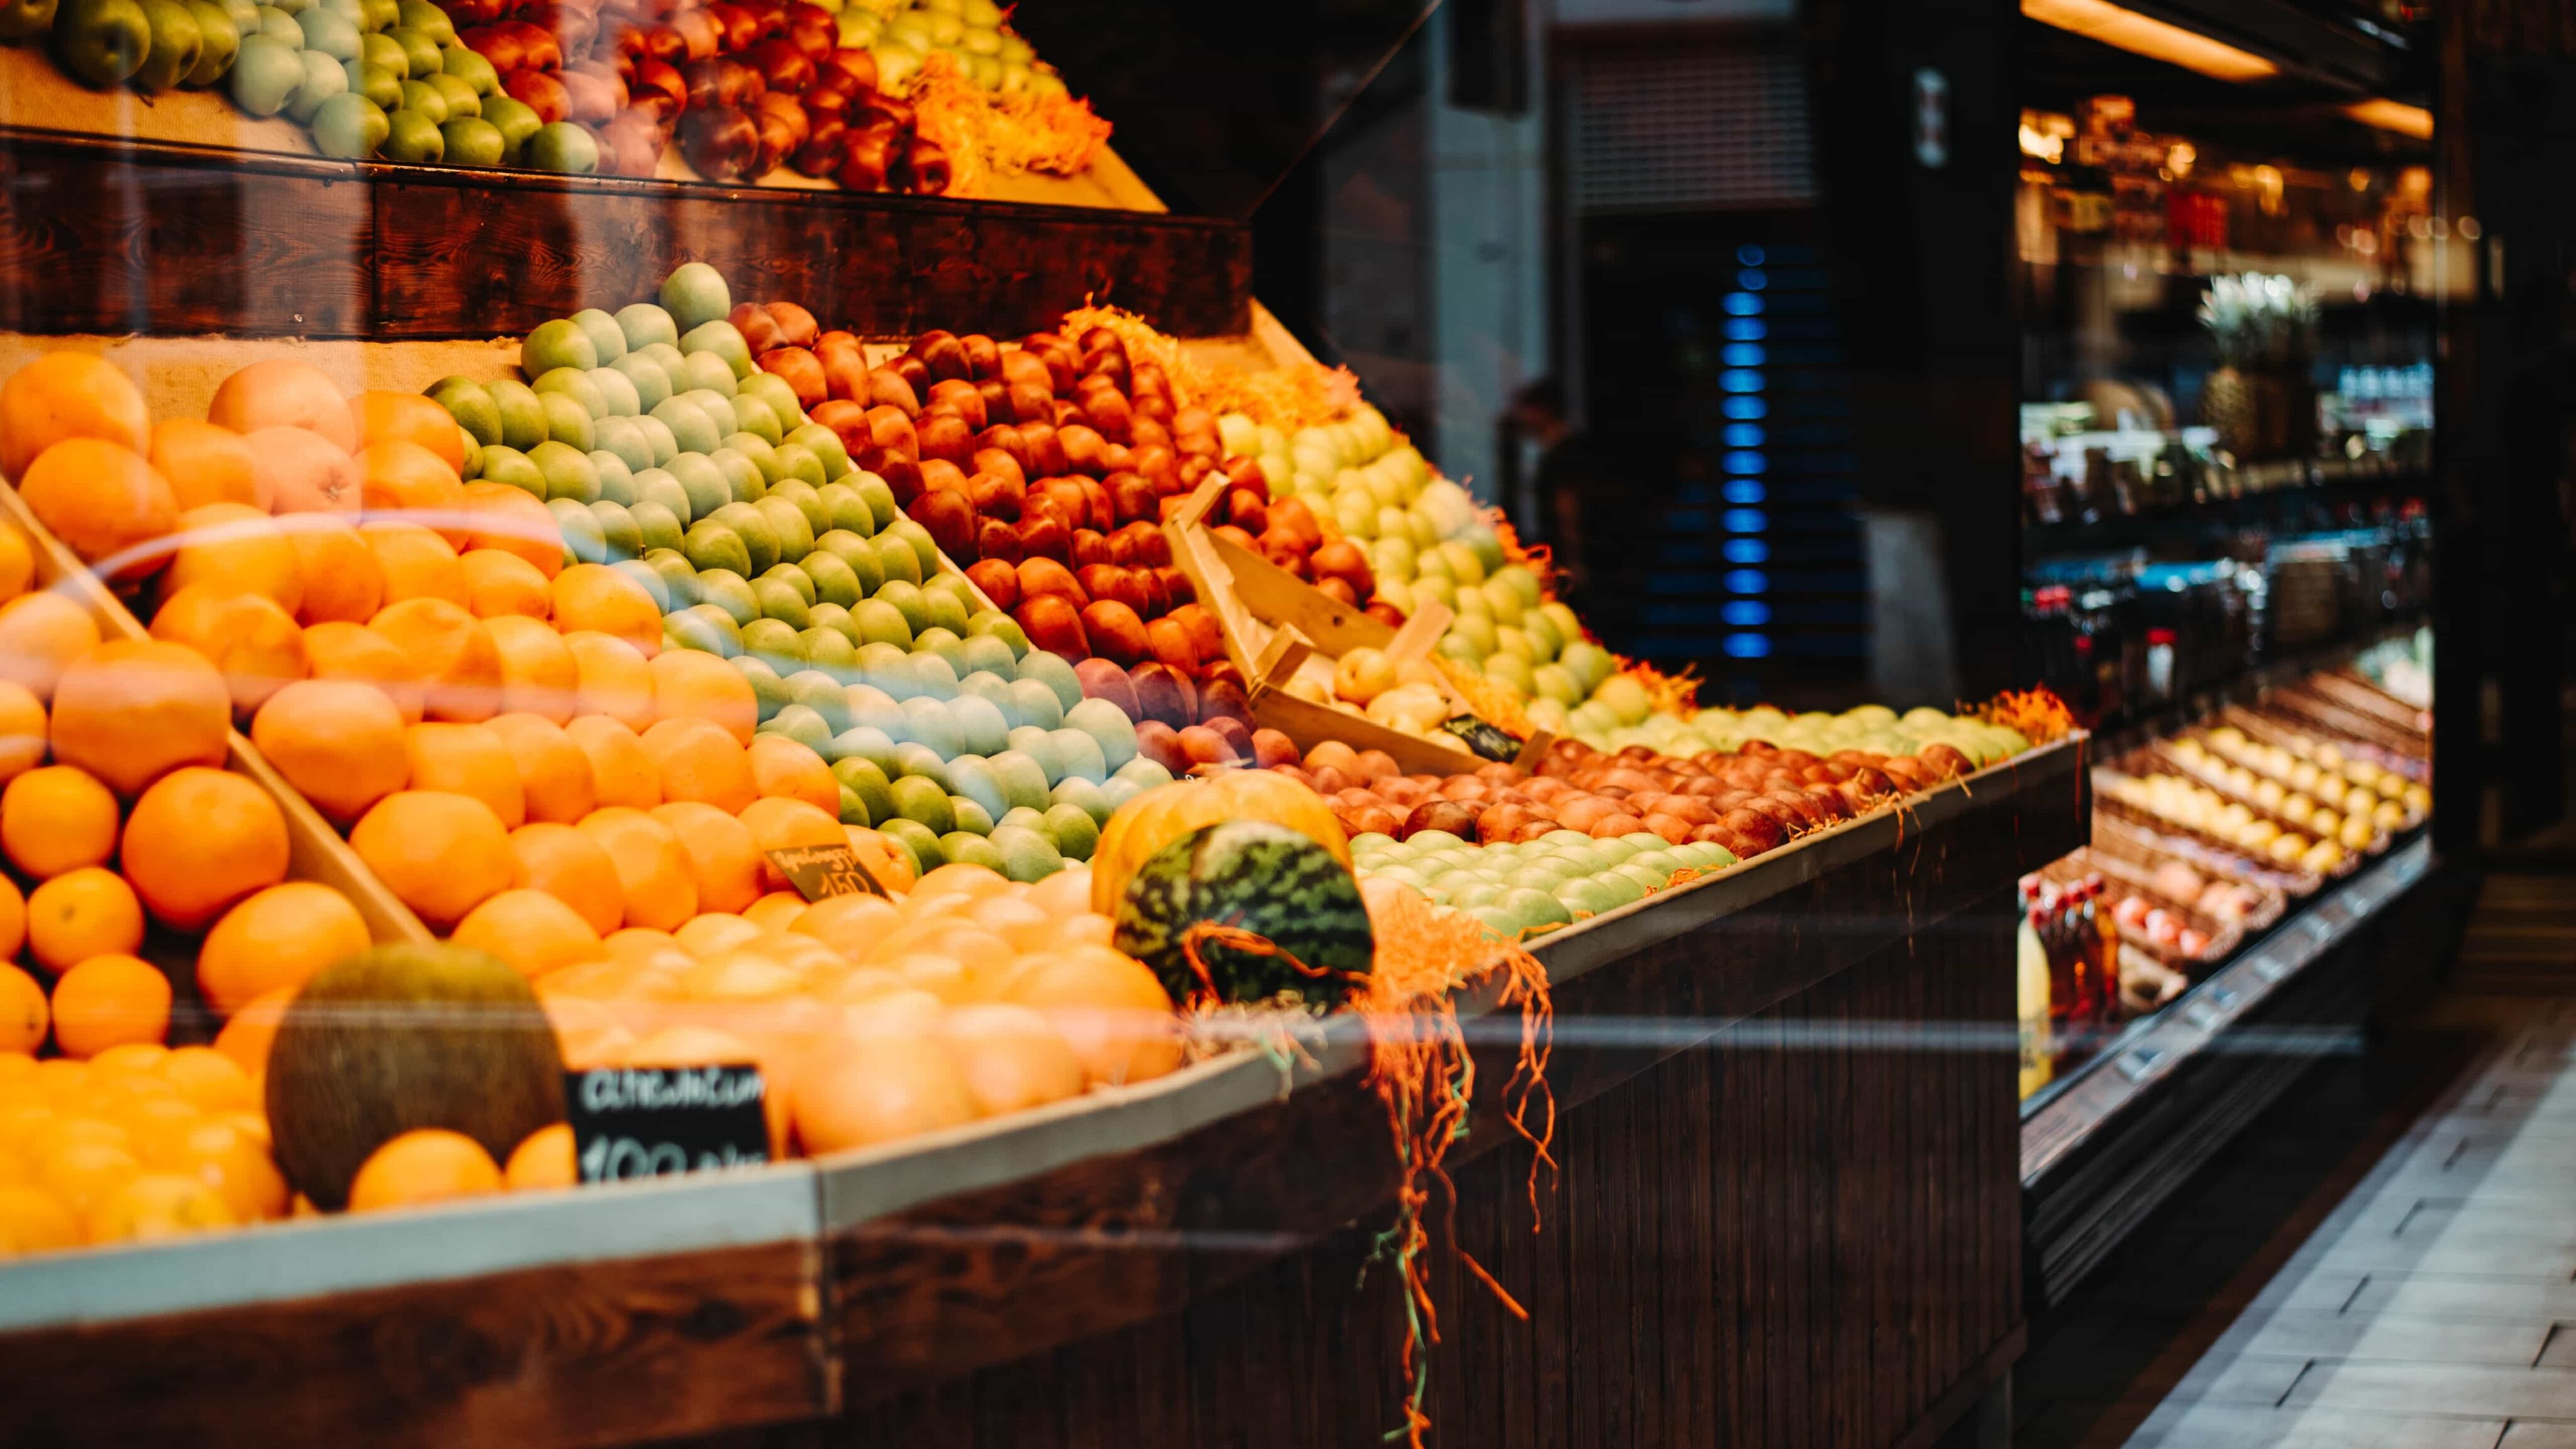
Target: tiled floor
column 2434, row 1305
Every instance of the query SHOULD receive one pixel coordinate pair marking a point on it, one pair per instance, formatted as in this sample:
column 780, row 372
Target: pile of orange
column 137, row 1142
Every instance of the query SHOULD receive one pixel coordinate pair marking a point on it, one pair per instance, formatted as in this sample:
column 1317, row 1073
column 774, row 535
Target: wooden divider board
column 315, row 851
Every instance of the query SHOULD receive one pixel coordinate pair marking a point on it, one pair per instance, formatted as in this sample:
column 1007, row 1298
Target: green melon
column 1259, row 877
column 401, row 1037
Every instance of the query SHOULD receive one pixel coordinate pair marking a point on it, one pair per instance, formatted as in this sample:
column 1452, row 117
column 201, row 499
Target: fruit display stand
column 1782, row 1209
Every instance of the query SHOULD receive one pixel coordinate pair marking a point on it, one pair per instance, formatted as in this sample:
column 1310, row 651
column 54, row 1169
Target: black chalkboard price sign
column 630, row 1122
column 820, row 872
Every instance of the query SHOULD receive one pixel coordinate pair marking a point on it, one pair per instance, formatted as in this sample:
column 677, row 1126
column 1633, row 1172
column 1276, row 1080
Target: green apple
column 221, row 43
column 603, row 332
column 102, row 42
column 323, row 79
column 563, row 146
column 265, row 75
column 645, row 324
column 426, row 99
column 559, row 343
column 385, row 51
column 279, row 25
column 414, row 136
column 517, row 122
column 462, row 99
column 25, row 19
column 330, row 33
column 244, row 15
column 694, row 295
column 721, row 338
column 375, row 83
column 428, row 19
column 470, row 67
column 349, row 126
column 472, row 141
column 177, row 44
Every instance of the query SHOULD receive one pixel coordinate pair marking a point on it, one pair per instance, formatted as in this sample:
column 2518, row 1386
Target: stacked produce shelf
column 2238, row 952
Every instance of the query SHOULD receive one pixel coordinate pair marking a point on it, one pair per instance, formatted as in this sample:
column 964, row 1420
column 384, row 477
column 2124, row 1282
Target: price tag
column 630, row 1122
column 820, row 872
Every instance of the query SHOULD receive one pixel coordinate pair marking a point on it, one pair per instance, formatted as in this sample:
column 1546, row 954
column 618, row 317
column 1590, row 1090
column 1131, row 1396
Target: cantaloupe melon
column 405, row 1036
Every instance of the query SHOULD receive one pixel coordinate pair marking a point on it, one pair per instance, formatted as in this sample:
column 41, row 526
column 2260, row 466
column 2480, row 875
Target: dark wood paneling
column 100, row 236
column 1788, row 1213
column 588, row 1354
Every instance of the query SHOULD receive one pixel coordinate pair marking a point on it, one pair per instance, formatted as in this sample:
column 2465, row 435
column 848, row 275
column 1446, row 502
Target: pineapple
column 2233, row 316
column 2260, row 400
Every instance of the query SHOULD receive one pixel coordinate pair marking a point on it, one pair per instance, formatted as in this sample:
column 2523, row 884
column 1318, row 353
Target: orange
column 40, row 635
column 615, row 680
column 67, row 395
column 80, row 1172
column 554, row 775
column 498, row 583
column 426, row 1165
column 509, row 520
column 693, row 684
column 440, row 854
column 205, row 464
column 1011, row 1057
column 32, row 1221
column 403, row 481
column 544, row 1160
column 722, row 859
column 275, row 941
column 108, row 1001
column 157, row 1205
column 571, row 867
column 229, row 1160
column 200, row 840
column 237, row 547
column 342, row 580
column 417, row 563
column 13, row 921
column 57, row 819
column 80, row 914
column 714, row 933
column 468, row 759
column 532, row 930
column 102, row 500
column 24, row 1014
column 891, row 864
column 207, row 1079
column 901, row 1085
column 354, row 653
column 303, row 472
column 256, row 644
column 22, row 731
column 777, row 824
column 282, row 392
column 775, row 910
column 338, row 742
column 380, row 416
column 699, row 761
column 652, row 869
column 538, row 673
column 454, row 654
column 132, row 710
column 591, row 596
column 17, row 563
column 848, row 924
column 1108, row 1007
column 785, row 769
column 245, row 1038
column 621, row 770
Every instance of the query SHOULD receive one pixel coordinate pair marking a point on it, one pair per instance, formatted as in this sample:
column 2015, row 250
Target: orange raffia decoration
column 2038, row 714
column 987, row 133
column 1290, row 397
column 1420, row 1067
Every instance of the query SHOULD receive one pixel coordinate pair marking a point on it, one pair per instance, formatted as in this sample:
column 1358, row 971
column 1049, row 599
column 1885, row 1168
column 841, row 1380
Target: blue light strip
column 1744, row 357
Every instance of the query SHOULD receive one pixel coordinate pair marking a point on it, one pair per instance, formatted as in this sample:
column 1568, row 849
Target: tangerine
column 400, row 477
column 343, row 582
column 245, row 1038
column 40, row 635
column 468, row 759
column 691, row 683
column 132, row 710
column 425, row 1165
column 787, row 769
column 452, row 653
column 698, row 760
column 354, row 653
column 56, row 819
column 440, row 854
column 33, row 1221
column 621, row 770
column 205, row 464
column 17, row 563
column 652, row 869
column 417, row 563
column 780, row 824
column 80, row 914
column 544, row 1160
column 108, row 1001
column 499, row 583
column 103, row 501
column 256, row 644
column 237, row 547
column 24, row 1012
column 538, row 673
column 723, row 859
column 299, row 471
column 509, row 520
column 615, row 679
column 338, row 742
column 67, row 395
column 532, row 930
column 157, row 1205
column 380, row 416
column 200, row 840
column 595, row 597
column 573, row 868
column 274, row 942
column 554, row 774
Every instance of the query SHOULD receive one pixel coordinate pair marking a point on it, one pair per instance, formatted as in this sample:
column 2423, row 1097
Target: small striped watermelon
column 1255, row 876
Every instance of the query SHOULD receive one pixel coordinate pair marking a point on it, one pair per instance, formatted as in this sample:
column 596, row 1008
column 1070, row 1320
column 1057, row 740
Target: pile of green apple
column 1536, row 885
column 661, row 451
column 1622, row 714
column 974, row 33
column 370, row 78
